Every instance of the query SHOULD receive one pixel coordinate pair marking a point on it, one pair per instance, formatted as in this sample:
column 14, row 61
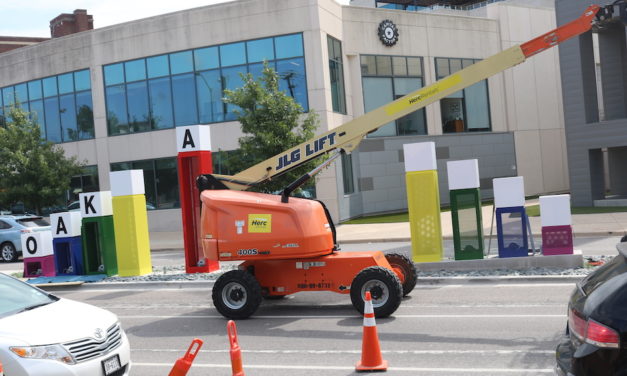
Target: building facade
column 113, row 96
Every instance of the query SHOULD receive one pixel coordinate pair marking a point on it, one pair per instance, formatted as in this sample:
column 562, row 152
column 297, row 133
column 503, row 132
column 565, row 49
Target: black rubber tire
column 236, row 294
column 8, row 253
column 408, row 269
column 384, row 286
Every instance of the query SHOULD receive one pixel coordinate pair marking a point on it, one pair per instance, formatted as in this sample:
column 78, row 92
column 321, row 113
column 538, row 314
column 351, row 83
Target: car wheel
column 405, row 271
column 384, row 286
column 8, row 252
column 236, row 294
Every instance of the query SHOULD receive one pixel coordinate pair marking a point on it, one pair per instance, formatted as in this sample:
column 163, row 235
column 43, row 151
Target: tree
column 33, row 171
column 272, row 122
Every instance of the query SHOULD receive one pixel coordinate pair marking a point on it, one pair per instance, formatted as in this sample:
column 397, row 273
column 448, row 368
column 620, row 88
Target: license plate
column 111, row 365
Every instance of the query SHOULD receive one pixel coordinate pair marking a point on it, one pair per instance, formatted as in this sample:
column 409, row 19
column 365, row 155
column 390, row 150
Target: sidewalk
column 606, row 224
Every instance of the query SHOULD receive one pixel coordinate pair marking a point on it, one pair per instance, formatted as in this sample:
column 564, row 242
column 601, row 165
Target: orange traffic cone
column 236, row 352
column 1, row 370
column 185, row 363
column 371, row 359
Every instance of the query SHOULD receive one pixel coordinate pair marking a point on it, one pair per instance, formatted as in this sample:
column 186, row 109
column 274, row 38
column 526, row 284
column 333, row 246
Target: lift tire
column 404, row 265
column 236, row 294
column 384, row 286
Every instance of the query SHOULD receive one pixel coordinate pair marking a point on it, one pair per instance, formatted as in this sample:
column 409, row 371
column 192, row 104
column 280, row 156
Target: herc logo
column 260, row 223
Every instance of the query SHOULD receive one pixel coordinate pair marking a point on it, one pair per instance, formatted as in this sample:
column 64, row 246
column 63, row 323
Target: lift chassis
column 287, row 244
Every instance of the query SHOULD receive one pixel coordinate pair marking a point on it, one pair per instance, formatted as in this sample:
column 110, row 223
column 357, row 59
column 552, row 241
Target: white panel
column 37, row 244
column 65, row 225
column 555, row 210
column 193, row 138
column 509, row 192
column 96, row 204
column 420, row 157
column 463, row 174
column 126, row 183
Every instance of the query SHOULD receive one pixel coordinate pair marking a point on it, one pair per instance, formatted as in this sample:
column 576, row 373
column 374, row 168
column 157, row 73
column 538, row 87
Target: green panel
column 467, row 224
column 99, row 245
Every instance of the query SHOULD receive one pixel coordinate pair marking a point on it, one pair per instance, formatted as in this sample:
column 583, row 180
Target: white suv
column 41, row 335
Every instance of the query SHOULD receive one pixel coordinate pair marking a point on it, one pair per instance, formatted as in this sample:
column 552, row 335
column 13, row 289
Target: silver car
column 11, row 229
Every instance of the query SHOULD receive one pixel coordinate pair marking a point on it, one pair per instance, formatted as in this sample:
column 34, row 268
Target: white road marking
column 340, row 316
column 390, row 352
column 346, row 368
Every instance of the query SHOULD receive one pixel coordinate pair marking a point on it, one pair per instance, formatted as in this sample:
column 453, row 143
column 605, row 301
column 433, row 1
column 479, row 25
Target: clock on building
column 388, row 33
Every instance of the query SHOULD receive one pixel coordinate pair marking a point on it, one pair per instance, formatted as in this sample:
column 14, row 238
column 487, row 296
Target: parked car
column 11, row 229
column 43, row 335
column 596, row 333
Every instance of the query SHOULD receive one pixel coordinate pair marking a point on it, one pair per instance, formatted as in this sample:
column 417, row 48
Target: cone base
column 381, row 367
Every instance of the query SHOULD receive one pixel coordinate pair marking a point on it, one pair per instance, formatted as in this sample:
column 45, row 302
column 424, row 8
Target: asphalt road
column 468, row 329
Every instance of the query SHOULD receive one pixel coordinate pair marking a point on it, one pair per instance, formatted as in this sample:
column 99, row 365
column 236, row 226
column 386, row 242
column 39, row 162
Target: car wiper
column 33, row 307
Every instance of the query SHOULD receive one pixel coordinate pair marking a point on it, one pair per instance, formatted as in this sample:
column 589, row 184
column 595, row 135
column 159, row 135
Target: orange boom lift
column 288, row 244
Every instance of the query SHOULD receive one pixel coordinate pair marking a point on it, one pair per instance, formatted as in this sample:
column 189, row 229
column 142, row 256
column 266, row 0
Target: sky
column 32, row 18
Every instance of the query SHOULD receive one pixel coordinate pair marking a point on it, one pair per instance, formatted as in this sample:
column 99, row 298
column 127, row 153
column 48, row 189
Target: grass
column 534, row 210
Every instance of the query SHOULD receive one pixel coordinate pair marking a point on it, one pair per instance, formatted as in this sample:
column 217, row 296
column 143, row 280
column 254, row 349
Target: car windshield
column 33, row 222
column 18, row 296
column 617, row 266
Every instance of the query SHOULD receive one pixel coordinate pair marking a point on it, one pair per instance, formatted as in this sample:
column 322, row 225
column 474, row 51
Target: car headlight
column 51, row 352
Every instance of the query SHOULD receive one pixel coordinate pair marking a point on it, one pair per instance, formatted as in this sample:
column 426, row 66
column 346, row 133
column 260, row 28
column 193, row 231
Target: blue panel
column 158, row 66
column 231, row 80
column 8, row 95
column 511, row 229
column 82, row 80
column 260, row 50
column 67, row 108
column 206, row 58
column 37, row 114
column 53, row 125
column 137, row 98
column 292, row 79
column 232, row 54
column 34, row 90
column 114, row 74
column 288, row 46
column 161, row 103
column 50, row 86
column 66, row 83
column 84, row 115
column 181, row 62
column 135, row 70
column 117, row 119
column 210, row 106
column 68, row 256
column 21, row 93
column 184, row 98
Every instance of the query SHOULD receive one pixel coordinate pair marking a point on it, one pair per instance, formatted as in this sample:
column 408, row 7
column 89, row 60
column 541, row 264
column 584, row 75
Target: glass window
column 50, row 87
column 336, row 70
column 66, row 83
column 384, row 65
column 260, row 50
column 86, row 182
column 414, row 66
column 413, row 123
column 84, row 115
column 206, row 58
column 378, row 91
column 292, row 79
column 232, row 54
column 82, row 80
column 135, row 70
column 456, row 65
column 288, row 46
column 442, row 67
column 149, row 180
column 8, row 95
column 160, row 93
column 137, row 98
column 67, row 110
column 181, row 62
column 184, row 98
column 21, row 93
column 167, row 183
column 117, row 118
column 114, row 74
column 369, row 65
column 231, row 80
column 37, row 114
column 34, row 90
column 347, row 173
column 210, row 106
column 399, row 65
column 53, row 124
column 477, row 106
column 158, row 66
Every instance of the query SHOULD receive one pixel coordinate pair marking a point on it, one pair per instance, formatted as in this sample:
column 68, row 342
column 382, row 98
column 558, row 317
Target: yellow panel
column 423, row 201
column 132, row 241
column 260, row 223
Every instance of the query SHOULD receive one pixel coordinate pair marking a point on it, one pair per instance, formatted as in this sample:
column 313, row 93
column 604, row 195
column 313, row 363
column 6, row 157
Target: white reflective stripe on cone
column 369, row 321
column 368, row 307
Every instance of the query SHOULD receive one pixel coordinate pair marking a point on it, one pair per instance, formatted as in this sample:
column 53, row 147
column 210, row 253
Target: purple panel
column 39, row 267
column 557, row 240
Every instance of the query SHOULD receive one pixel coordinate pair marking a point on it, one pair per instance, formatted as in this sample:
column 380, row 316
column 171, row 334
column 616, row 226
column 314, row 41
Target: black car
column 596, row 342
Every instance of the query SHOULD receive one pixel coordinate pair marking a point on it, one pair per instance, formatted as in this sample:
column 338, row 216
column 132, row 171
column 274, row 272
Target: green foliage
column 272, row 122
column 33, row 171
